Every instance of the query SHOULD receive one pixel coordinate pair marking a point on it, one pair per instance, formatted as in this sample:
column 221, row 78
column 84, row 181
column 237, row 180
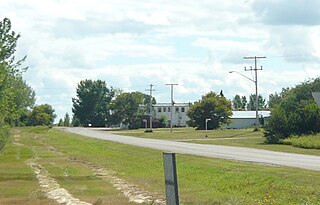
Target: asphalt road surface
column 215, row 151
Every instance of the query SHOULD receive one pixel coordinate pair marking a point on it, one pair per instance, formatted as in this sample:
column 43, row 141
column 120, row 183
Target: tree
column 75, row 121
column 8, row 44
column 211, row 106
column 60, row 122
column 66, row 121
column 126, row 108
column 243, row 102
column 252, row 102
column 237, row 103
column 276, row 98
column 91, row 106
column 16, row 97
column 42, row 115
column 295, row 114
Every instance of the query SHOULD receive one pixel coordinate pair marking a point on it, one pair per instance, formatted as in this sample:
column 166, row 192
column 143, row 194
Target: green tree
column 295, row 114
column 16, row 97
column 42, row 115
column 252, row 102
column 243, row 102
column 237, row 103
column 211, row 106
column 75, row 121
column 60, row 124
column 126, row 108
column 8, row 44
column 92, row 103
column 66, row 121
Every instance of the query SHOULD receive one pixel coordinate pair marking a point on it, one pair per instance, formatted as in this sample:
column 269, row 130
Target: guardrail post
column 171, row 180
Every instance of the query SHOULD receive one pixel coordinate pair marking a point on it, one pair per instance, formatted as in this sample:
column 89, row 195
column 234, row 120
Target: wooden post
column 171, row 180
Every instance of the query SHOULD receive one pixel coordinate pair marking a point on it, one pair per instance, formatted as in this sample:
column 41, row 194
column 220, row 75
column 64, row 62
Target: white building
column 246, row 119
column 179, row 113
column 239, row 119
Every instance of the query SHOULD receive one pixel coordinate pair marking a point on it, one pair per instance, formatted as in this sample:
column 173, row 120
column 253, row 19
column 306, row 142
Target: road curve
column 302, row 161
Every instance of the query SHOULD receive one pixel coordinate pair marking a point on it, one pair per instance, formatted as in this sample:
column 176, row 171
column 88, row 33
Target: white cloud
column 131, row 44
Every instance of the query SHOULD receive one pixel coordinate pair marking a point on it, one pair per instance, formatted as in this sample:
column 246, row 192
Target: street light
column 208, row 119
column 256, row 86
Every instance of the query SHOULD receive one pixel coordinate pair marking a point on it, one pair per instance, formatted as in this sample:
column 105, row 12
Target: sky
column 132, row 44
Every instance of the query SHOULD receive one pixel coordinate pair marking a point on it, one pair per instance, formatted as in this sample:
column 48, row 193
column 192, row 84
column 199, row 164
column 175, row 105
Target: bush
column 295, row 114
column 4, row 134
column 308, row 141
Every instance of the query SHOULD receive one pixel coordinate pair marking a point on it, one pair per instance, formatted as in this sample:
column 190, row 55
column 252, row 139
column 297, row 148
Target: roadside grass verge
column 258, row 143
column 78, row 180
column 18, row 184
column 201, row 180
column 190, row 133
column 308, row 142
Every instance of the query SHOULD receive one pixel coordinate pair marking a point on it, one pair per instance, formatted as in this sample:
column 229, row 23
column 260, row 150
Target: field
column 91, row 171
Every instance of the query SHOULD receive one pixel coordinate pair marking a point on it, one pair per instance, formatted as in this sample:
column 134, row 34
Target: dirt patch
column 50, row 186
column 133, row 192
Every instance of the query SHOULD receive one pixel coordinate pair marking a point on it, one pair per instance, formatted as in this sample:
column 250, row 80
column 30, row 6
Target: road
column 302, row 161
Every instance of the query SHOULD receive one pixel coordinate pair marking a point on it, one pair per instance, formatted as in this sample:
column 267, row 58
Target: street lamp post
column 207, row 120
column 256, row 87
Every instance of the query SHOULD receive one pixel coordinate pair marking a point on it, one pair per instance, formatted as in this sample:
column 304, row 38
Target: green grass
column 189, row 133
column 201, row 180
column 308, row 142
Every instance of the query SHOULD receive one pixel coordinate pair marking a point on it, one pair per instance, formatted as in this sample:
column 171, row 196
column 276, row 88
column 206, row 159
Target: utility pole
column 255, row 80
column 150, row 105
column 171, row 109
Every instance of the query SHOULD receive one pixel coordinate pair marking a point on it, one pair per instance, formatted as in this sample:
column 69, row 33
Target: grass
column 190, row 133
column 239, row 138
column 308, row 142
column 201, row 180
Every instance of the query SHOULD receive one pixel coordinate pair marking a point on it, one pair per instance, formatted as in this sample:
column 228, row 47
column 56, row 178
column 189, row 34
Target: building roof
column 169, row 104
column 248, row 114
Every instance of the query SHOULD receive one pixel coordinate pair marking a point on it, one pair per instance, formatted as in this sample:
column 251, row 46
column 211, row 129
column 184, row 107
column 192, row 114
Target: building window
column 182, row 109
column 164, row 109
column 159, row 109
column 177, row 109
column 169, row 109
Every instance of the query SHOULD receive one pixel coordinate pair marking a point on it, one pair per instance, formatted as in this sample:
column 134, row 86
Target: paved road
column 216, row 151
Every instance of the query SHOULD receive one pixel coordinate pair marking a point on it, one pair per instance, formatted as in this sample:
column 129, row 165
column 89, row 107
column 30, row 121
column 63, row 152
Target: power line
column 255, row 69
column 150, row 105
column 172, row 103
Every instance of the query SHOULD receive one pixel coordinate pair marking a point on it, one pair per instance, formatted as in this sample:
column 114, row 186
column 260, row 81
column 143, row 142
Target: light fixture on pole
column 172, row 103
column 256, row 87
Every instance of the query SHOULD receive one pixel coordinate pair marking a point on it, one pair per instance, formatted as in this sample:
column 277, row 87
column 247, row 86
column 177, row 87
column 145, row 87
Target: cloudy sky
column 131, row 44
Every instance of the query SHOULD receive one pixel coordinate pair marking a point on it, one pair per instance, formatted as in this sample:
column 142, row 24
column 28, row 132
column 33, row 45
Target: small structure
column 247, row 119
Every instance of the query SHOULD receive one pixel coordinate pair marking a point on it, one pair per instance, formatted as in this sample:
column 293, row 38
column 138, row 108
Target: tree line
column 98, row 105
column 17, row 98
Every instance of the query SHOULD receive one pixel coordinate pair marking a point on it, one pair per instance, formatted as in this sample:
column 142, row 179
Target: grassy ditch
column 201, row 180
